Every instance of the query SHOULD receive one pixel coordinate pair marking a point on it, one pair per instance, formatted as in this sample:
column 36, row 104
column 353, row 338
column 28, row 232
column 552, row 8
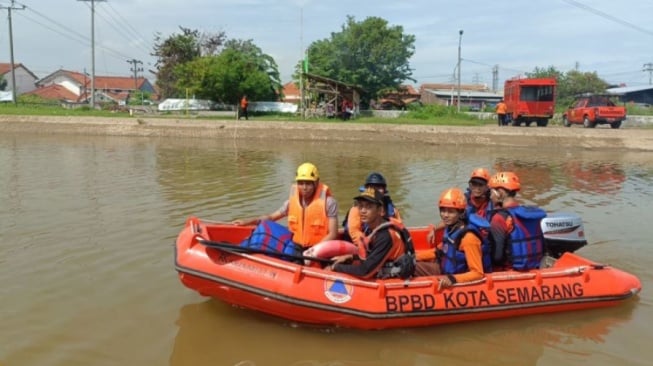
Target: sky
column 612, row 38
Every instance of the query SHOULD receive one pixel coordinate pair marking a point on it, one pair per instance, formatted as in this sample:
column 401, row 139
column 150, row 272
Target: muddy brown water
column 87, row 225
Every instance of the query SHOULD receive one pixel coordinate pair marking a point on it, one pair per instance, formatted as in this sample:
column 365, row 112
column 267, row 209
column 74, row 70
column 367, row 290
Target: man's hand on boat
column 446, row 282
column 345, row 258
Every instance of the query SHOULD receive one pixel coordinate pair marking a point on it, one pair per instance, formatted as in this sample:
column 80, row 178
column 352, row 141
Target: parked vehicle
column 530, row 100
column 592, row 109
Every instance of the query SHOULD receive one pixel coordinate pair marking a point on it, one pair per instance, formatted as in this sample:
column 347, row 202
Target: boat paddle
column 238, row 249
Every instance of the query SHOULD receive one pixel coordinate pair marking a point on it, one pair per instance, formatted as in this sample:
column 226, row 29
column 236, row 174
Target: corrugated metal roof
column 463, row 93
column 629, row 89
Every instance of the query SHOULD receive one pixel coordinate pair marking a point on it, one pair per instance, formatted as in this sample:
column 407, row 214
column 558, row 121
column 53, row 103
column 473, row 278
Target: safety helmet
column 480, row 173
column 307, row 171
column 453, row 198
column 375, row 178
column 505, row 180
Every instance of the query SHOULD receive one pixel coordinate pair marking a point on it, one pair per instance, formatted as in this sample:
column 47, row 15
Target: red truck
column 530, row 100
column 592, row 109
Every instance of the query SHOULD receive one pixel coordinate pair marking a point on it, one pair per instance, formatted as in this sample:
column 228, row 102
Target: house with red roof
column 291, row 93
column 72, row 86
column 25, row 79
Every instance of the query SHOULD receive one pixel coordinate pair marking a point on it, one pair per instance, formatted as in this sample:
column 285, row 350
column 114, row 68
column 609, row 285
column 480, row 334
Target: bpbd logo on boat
column 337, row 291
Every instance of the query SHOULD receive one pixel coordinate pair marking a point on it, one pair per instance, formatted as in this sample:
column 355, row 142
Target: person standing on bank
column 244, row 103
column 501, row 110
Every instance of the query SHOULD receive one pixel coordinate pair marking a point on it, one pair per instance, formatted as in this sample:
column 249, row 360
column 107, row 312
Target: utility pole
column 495, row 78
column 304, row 66
column 11, row 49
column 135, row 69
column 648, row 67
column 460, row 39
column 92, row 49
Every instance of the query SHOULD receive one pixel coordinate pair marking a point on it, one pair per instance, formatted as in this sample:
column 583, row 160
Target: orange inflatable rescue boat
column 210, row 261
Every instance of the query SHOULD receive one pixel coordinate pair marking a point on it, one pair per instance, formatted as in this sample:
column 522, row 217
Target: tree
column 241, row 68
column 370, row 54
column 178, row 49
column 571, row 83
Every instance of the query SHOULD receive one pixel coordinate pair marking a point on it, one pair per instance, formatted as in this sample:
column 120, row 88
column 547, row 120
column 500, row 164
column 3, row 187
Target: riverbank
column 600, row 138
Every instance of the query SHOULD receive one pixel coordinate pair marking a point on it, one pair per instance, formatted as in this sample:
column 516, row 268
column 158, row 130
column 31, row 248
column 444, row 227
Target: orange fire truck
column 530, row 100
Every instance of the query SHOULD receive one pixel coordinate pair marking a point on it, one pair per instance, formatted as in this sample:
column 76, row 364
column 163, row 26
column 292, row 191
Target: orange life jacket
column 398, row 247
column 309, row 224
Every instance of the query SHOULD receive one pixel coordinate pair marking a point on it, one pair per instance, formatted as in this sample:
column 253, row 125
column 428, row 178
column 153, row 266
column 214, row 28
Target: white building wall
column 24, row 81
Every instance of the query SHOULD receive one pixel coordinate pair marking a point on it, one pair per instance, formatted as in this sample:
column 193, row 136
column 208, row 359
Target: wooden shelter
column 323, row 96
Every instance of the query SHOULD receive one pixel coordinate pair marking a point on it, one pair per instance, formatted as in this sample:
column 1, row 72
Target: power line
column 608, row 16
column 137, row 35
column 648, row 67
column 69, row 33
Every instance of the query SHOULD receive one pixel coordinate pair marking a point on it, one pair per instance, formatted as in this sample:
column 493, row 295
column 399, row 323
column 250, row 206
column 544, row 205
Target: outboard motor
column 563, row 232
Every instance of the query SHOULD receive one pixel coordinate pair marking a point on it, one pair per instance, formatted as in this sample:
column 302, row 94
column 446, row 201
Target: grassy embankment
column 428, row 115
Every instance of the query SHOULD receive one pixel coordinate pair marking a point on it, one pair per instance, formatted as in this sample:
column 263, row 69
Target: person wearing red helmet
column 515, row 232
column 463, row 255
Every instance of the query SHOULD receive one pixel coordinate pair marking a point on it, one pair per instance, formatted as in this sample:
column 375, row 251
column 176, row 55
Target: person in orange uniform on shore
column 311, row 209
column 382, row 246
column 460, row 255
column 502, row 110
column 244, row 104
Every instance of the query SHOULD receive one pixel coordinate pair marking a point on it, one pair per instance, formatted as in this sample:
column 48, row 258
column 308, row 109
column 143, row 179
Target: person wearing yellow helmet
column 515, row 230
column 464, row 254
column 311, row 209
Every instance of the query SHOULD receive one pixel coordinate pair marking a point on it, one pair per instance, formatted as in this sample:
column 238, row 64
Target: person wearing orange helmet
column 478, row 193
column 463, row 255
column 515, row 232
column 477, row 197
column 311, row 209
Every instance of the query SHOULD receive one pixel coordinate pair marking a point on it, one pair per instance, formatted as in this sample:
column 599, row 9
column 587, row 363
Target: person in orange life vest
column 502, row 110
column 353, row 226
column 460, row 256
column 477, row 197
column 244, row 103
column 383, row 243
column 311, row 209
column 515, row 231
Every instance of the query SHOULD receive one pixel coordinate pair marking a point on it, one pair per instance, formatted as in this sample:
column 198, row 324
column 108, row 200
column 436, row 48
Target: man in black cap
column 382, row 244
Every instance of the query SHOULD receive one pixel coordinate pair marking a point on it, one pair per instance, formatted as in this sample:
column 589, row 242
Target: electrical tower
column 11, row 49
column 648, row 67
column 135, row 69
column 92, row 49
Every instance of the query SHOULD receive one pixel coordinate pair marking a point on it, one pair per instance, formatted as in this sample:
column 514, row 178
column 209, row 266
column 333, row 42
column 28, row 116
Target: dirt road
column 600, row 138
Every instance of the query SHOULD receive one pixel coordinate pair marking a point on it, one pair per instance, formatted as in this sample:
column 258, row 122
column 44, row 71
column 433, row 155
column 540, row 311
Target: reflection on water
column 214, row 328
column 87, row 223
